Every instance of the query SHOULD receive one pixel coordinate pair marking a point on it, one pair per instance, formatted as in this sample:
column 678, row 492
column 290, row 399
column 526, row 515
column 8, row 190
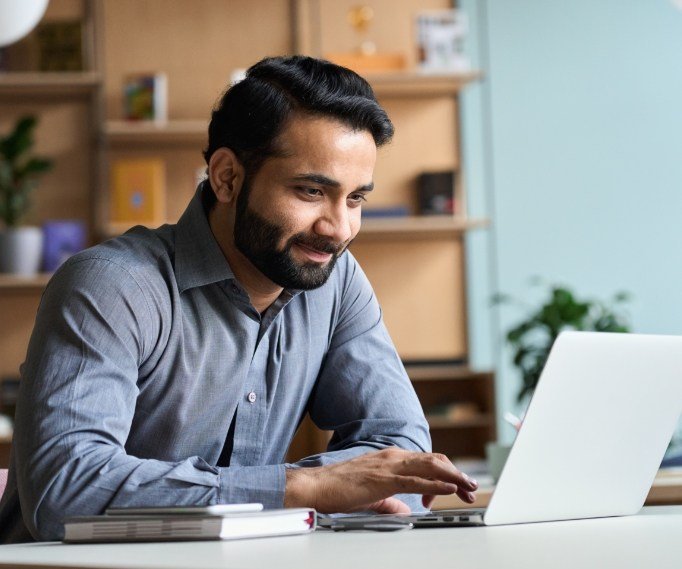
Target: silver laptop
column 594, row 435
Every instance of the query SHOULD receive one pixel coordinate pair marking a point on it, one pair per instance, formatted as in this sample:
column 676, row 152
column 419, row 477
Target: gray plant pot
column 21, row 250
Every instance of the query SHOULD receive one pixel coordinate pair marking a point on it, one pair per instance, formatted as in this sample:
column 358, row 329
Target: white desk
column 652, row 539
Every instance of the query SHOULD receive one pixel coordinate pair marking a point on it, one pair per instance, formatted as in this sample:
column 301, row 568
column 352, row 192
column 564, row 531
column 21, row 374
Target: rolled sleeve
column 263, row 484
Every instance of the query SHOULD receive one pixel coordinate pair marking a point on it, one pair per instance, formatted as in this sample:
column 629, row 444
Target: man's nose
column 335, row 224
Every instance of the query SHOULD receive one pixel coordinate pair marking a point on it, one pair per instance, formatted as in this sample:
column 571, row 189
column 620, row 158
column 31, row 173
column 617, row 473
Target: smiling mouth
column 313, row 254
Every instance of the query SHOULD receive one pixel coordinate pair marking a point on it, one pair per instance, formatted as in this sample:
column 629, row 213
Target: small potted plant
column 532, row 338
column 20, row 247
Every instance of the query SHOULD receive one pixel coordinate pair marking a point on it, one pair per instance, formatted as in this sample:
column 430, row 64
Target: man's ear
column 226, row 175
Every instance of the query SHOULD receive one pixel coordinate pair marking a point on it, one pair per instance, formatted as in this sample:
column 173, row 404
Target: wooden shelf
column 17, row 282
column 393, row 228
column 414, row 83
column 144, row 132
column 482, row 420
column 434, row 226
column 49, row 84
column 444, row 373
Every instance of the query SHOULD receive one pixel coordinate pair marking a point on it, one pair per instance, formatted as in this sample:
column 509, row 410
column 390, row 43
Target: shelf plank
column 143, row 132
column 49, row 84
column 414, row 83
column 482, row 420
column 419, row 226
column 18, row 282
column 392, row 228
column 449, row 372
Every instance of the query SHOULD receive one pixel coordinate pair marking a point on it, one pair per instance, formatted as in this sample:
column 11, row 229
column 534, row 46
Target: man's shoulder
column 146, row 255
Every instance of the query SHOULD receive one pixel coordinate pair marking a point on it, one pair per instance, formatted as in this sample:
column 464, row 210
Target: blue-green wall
column 573, row 148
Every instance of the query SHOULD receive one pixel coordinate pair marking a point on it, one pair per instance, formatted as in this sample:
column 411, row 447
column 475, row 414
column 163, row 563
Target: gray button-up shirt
column 144, row 349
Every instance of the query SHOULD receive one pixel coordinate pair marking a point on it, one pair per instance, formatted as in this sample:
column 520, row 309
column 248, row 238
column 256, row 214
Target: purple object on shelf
column 63, row 238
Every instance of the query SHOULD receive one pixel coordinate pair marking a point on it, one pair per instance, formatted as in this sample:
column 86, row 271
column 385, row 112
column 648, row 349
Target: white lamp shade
column 18, row 17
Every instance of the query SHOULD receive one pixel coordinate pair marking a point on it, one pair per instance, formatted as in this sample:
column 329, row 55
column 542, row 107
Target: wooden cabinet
column 416, row 264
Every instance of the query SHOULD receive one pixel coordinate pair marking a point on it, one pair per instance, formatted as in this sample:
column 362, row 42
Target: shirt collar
column 198, row 258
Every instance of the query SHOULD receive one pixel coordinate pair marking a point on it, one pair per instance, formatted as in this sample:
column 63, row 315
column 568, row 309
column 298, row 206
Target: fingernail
column 472, row 497
column 473, row 481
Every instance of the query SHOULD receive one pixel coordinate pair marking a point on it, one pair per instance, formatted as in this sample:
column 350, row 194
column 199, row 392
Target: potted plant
column 20, row 247
column 532, row 338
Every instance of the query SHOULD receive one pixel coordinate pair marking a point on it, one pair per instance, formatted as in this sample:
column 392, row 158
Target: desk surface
column 650, row 539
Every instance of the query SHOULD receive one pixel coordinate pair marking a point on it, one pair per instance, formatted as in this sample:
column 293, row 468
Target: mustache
column 319, row 243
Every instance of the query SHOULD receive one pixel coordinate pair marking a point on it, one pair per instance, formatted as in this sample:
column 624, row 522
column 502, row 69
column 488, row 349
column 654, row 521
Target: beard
column 258, row 240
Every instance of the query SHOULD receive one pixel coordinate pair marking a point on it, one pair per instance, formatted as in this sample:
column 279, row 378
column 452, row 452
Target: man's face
column 301, row 210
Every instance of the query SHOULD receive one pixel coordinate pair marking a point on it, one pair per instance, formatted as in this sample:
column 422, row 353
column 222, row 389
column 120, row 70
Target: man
column 173, row 366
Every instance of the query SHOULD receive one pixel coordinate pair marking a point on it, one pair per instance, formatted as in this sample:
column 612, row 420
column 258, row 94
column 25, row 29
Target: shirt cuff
column 246, row 484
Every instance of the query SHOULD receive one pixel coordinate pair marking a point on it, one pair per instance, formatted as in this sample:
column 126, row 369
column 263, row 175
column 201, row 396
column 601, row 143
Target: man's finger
column 427, row 500
column 431, row 466
column 419, row 485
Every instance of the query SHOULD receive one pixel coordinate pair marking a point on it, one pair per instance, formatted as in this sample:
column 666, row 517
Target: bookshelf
column 416, row 264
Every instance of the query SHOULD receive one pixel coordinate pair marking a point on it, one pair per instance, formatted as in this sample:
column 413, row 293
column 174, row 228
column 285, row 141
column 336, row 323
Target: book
column 138, row 189
column 188, row 527
column 145, row 97
column 60, row 46
column 386, row 211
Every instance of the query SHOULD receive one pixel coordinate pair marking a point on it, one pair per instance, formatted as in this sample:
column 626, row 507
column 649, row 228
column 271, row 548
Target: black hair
column 251, row 113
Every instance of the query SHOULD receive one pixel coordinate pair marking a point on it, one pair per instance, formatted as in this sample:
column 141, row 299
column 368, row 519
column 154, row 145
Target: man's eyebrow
column 323, row 180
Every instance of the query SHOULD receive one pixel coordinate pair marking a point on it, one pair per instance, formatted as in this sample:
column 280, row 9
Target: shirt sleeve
column 363, row 393
column 95, row 326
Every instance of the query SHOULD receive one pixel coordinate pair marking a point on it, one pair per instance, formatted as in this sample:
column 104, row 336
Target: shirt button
column 251, row 397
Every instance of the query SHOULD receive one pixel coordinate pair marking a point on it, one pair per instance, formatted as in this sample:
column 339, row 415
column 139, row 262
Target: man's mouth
column 314, row 254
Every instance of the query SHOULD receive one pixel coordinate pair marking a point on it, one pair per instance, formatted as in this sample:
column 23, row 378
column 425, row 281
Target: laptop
column 594, row 435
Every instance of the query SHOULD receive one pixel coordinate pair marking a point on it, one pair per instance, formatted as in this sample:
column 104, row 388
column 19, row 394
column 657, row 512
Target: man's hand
column 368, row 482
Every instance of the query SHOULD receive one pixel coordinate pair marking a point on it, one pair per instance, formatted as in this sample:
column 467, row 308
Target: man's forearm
column 371, row 481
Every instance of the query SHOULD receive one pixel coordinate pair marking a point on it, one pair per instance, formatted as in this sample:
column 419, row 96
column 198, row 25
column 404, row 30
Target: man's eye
column 311, row 192
column 357, row 198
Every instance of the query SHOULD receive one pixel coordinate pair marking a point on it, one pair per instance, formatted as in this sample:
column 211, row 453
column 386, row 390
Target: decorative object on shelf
column 6, row 427
column 440, row 41
column 62, row 238
column 496, row 454
column 60, row 46
column 9, row 392
column 145, row 97
column 365, row 58
column 20, row 247
column 456, row 411
column 18, row 18
column 138, row 188
column 531, row 339
column 436, row 193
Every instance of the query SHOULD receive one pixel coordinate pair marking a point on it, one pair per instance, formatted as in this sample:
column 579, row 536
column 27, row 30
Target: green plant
column 532, row 338
column 19, row 171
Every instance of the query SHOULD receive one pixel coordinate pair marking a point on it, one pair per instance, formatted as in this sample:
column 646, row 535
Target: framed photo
column 440, row 41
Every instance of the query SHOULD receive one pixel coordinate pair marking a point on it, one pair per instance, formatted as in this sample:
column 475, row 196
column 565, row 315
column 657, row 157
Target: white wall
column 573, row 148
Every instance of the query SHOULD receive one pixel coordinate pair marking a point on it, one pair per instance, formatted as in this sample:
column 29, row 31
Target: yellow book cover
column 138, row 188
